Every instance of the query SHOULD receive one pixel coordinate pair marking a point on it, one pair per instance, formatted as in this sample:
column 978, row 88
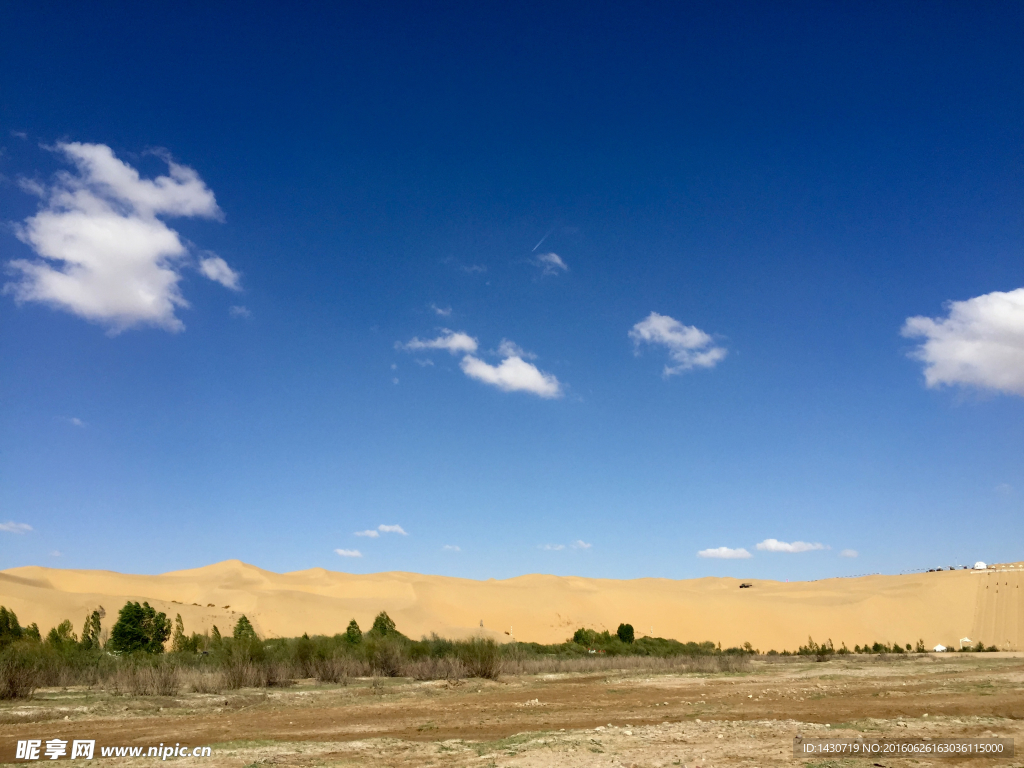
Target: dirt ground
column 607, row 719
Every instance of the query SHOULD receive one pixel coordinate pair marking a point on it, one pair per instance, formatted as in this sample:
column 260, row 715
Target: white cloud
column 513, row 374
column 19, row 134
column 349, row 552
column 580, row 544
column 105, row 253
column 391, row 529
column 75, row 421
column 215, row 268
column 424, row 363
column 551, row 263
column 552, row 547
column 1004, row 489
column 510, row 349
column 688, row 347
column 849, row 553
column 979, row 343
column 451, row 548
column 56, row 553
column 239, row 311
column 12, row 527
column 442, row 311
column 774, row 545
column 394, row 381
column 454, row 342
column 725, row 553
column 370, row 534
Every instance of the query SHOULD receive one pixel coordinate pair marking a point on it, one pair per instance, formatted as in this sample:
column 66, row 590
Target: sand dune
column 936, row 607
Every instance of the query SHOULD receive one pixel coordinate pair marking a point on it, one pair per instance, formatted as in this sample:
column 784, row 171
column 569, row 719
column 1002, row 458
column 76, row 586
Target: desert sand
column 986, row 606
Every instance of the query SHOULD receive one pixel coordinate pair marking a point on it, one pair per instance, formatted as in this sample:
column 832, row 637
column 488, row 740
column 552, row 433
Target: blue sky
column 537, row 289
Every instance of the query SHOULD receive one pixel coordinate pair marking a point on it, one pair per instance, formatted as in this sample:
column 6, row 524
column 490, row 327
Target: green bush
column 139, row 628
column 482, row 658
column 625, row 633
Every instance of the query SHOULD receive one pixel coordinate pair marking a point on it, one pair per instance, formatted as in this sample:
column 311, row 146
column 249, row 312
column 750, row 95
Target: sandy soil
column 936, row 607
column 611, row 719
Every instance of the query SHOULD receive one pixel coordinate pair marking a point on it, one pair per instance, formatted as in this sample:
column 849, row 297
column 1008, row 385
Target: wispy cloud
column 370, row 534
column 349, row 552
column 849, row 553
column 427, row 363
column 688, row 347
column 11, row 527
column 979, row 343
column 774, row 545
column 580, row 544
column 56, row 553
column 105, row 252
column 552, row 547
column 451, row 548
column 510, row 349
column 19, row 134
column 442, row 311
column 551, row 263
column 76, row 422
column 725, row 553
column 453, row 341
column 472, row 269
column 216, row 269
column 239, row 311
column 391, row 529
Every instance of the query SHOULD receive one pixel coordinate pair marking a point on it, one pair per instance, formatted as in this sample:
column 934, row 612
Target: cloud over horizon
column 979, row 343
column 774, row 545
column 725, row 553
column 688, row 347
column 12, row 527
column 105, row 253
column 349, row 552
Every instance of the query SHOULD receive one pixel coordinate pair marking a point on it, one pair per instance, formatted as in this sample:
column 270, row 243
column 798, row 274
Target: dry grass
column 596, row 663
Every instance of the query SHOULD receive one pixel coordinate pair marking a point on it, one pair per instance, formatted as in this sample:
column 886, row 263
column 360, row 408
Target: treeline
column 145, row 653
column 826, row 650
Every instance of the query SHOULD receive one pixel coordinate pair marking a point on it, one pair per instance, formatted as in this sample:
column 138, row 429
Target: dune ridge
column 936, row 607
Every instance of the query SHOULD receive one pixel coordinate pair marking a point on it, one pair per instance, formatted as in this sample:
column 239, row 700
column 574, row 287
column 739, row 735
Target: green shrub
column 139, row 628
column 482, row 658
column 18, row 672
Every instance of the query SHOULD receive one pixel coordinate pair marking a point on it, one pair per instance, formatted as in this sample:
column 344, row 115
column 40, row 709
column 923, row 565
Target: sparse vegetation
column 132, row 662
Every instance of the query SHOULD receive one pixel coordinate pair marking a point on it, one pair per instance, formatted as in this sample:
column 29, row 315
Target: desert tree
column 354, row 635
column 244, row 629
column 139, row 628
column 383, row 625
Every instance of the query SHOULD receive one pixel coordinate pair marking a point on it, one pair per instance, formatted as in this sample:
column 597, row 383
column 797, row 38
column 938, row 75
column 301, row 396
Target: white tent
column 980, row 566
column 939, row 648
